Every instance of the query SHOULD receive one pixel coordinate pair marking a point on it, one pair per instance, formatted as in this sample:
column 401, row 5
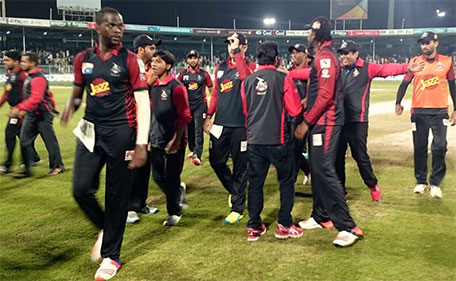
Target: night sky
column 250, row 14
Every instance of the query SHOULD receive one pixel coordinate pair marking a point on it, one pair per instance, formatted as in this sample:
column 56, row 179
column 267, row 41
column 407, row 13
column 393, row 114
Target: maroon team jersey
column 110, row 83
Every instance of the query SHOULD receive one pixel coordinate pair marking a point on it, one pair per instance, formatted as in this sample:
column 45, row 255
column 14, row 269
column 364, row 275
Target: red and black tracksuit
column 325, row 117
column 301, row 146
column 39, row 104
column 357, row 80
column 271, row 104
column 430, row 112
column 196, row 81
column 110, row 82
column 14, row 94
column 169, row 110
column 226, row 102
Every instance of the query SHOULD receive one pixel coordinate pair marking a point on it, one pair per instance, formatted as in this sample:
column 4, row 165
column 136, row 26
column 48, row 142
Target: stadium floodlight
column 80, row 35
column 440, row 13
column 204, row 40
column 269, row 21
column 45, row 33
column 8, row 32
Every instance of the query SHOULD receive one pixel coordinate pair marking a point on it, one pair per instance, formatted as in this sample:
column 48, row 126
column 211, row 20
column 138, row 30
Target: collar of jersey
column 17, row 69
column 326, row 44
column 36, row 70
column 266, row 66
column 115, row 51
column 166, row 82
column 191, row 70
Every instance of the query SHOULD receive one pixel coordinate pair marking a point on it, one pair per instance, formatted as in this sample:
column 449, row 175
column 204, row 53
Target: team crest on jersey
column 99, row 88
column 185, row 77
column 226, row 86
column 87, row 68
column 261, row 87
column 199, row 78
column 220, row 73
column 236, row 76
column 13, row 77
column 355, row 73
column 193, row 86
column 439, row 65
column 115, row 70
column 164, row 95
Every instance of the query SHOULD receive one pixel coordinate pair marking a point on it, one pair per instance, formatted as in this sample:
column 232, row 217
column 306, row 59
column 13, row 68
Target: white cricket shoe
column 436, row 192
column 419, row 189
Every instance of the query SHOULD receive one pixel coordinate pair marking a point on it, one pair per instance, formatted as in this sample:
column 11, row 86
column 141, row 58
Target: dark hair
column 32, row 57
column 167, row 56
column 103, row 11
column 267, row 52
column 14, row 55
column 322, row 37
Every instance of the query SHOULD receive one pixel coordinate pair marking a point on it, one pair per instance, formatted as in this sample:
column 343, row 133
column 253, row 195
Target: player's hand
column 14, row 112
column 399, row 109
column 453, row 118
column 139, row 157
column 415, row 66
column 172, row 146
column 66, row 115
column 283, row 69
column 301, row 131
column 207, row 126
column 304, row 103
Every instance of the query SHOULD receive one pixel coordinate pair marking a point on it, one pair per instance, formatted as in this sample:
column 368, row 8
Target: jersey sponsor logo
column 220, row 73
column 193, row 86
column 185, row 77
column 164, row 95
column 226, row 86
column 87, row 68
column 261, row 87
column 99, row 88
column 142, row 69
column 325, row 63
column 355, row 73
column 8, row 87
column 115, row 70
column 431, row 82
column 325, row 73
column 12, row 77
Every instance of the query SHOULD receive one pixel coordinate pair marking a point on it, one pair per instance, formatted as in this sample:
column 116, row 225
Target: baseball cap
column 320, row 25
column 300, row 48
column 348, row 46
column 241, row 37
column 428, row 36
column 145, row 40
column 193, row 53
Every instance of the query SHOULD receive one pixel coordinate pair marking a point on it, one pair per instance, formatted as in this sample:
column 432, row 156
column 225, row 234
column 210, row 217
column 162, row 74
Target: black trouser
column 231, row 142
column 111, row 146
column 13, row 130
column 355, row 135
column 140, row 187
column 166, row 171
column 260, row 158
column 327, row 190
column 195, row 130
column 33, row 125
column 301, row 162
column 438, row 147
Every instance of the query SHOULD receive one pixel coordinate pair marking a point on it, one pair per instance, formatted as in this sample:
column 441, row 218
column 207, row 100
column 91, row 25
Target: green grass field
column 45, row 236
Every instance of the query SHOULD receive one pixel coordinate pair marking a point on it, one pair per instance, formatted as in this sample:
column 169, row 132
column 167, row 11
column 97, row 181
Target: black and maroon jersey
column 226, row 95
column 196, row 82
column 357, row 80
column 325, row 101
column 37, row 97
column 110, row 83
column 269, row 96
column 301, row 84
column 13, row 87
column 169, row 109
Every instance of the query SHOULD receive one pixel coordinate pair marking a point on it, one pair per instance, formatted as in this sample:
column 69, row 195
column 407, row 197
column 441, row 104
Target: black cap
column 320, row 25
column 348, row 46
column 428, row 36
column 300, row 48
column 193, row 53
column 241, row 37
column 145, row 40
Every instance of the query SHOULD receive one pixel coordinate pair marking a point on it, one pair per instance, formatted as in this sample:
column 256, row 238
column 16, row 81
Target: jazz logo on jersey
column 261, row 87
column 87, row 68
column 226, row 86
column 193, row 86
column 429, row 82
column 99, row 88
